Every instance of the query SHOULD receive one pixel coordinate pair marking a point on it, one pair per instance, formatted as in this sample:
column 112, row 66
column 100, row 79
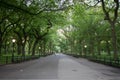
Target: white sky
column 62, row 1
column 60, row 32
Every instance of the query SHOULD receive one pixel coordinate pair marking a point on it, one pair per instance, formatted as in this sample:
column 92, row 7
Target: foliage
column 84, row 27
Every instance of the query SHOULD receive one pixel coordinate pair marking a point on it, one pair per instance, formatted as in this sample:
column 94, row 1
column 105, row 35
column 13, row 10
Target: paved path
column 59, row 67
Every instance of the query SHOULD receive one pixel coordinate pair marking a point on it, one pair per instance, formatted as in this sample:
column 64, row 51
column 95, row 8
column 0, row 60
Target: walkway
column 59, row 67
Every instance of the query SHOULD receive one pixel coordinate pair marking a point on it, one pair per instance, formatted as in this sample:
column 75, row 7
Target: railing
column 108, row 60
column 17, row 59
column 105, row 60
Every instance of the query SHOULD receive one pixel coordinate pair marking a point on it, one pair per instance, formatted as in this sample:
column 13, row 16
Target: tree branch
column 107, row 16
column 98, row 1
column 10, row 25
column 116, row 10
column 8, row 5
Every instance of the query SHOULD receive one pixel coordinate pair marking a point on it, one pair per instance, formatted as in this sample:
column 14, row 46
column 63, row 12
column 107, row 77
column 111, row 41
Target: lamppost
column 13, row 41
column 39, row 51
column 85, row 46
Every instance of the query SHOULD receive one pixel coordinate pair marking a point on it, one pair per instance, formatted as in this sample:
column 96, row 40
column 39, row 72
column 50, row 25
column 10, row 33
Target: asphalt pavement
column 59, row 67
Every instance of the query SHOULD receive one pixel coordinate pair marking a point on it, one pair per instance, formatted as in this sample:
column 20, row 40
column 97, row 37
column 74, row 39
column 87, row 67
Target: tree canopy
column 84, row 27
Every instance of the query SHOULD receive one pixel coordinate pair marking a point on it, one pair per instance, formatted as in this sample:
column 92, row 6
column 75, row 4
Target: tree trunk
column 44, row 48
column 112, row 23
column 41, row 49
column 82, row 49
column 29, row 47
column 0, row 47
column 114, row 40
column 34, row 47
column 50, row 47
column 5, row 47
column 19, row 50
column 98, row 48
column 0, row 44
column 108, row 48
column 91, row 46
column 23, row 49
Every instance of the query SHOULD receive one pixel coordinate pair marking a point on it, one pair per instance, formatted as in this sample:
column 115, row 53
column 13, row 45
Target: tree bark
column 98, row 48
column 108, row 47
column 34, row 47
column 29, row 47
column 92, row 46
column 44, row 48
column 1, row 43
column 23, row 49
column 5, row 49
column 0, row 48
column 114, row 40
column 19, row 50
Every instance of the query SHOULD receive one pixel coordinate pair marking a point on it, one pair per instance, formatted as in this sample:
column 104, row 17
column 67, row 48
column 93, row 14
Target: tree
column 111, row 14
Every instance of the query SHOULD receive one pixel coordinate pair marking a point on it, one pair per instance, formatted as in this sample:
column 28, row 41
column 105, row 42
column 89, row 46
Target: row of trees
column 94, row 29
column 90, row 26
column 30, row 24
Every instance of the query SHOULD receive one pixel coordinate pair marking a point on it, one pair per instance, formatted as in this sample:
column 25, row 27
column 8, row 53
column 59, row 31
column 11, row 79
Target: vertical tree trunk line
column 44, row 48
column 114, row 40
column 23, row 49
column 29, row 47
column 0, row 47
column 34, row 46
column 1, row 43
column 98, row 47
column 19, row 50
column 108, row 47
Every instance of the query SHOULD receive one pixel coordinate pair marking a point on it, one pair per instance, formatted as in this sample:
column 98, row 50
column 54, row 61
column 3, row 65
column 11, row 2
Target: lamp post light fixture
column 39, row 51
column 13, row 41
column 85, row 46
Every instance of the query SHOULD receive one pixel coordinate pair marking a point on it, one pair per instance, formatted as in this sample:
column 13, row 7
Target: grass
column 7, row 58
column 103, row 58
column 106, row 59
